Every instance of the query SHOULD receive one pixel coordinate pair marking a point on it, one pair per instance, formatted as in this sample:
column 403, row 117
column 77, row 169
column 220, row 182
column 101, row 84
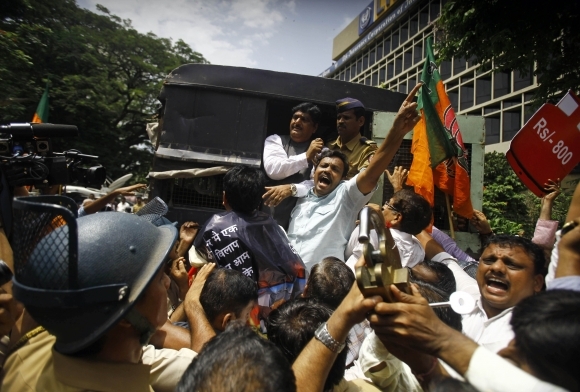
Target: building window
column 453, row 98
column 423, row 18
column 380, row 51
column 390, row 72
column 375, row 79
column 466, row 93
column 434, row 10
column 381, row 75
column 511, row 124
column 501, row 84
column 521, row 81
column 398, row 65
column 359, row 68
column 445, row 69
column 418, row 54
column 403, row 87
column 492, row 129
column 404, row 33
column 365, row 63
column 408, row 59
column 395, row 40
column 387, row 45
column 459, row 65
column 368, row 81
column 483, row 90
column 414, row 25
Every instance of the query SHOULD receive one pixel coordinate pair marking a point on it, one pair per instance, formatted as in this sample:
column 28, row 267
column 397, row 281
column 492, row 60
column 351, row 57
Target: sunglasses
column 390, row 207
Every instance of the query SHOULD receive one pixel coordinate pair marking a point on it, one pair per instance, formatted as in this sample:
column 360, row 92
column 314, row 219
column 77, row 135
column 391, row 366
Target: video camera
column 26, row 157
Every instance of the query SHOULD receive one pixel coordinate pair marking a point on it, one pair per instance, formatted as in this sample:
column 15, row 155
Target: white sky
column 287, row 36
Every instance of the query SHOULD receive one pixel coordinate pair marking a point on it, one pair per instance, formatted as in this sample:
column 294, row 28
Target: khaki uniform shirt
column 36, row 366
column 357, row 151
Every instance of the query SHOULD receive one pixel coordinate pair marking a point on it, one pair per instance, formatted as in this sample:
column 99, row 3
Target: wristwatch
column 293, row 190
column 325, row 338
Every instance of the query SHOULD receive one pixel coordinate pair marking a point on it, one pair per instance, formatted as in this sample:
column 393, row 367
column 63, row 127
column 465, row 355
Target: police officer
column 357, row 148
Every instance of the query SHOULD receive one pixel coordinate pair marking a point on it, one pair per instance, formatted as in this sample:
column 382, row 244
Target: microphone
column 40, row 130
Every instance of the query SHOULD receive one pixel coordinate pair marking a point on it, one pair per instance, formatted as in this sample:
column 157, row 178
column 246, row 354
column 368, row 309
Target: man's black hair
column 547, row 335
column 334, row 154
column 330, row 281
column 415, row 210
column 533, row 251
column 238, row 360
column 227, row 291
column 445, row 279
column 310, row 108
column 292, row 326
column 244, row 187
column 433, row 294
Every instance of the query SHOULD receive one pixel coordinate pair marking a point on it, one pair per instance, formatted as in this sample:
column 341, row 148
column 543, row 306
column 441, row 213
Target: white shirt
column 492, row 333
column 490, row 372
column 278, row 165
column 122, row 206
column 320, row 225
column 410, row 249
column 396, row 376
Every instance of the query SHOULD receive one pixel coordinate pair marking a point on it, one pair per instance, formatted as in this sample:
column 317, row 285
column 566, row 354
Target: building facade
column 385, row 44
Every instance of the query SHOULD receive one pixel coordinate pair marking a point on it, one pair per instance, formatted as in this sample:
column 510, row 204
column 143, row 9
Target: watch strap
column 326, row 338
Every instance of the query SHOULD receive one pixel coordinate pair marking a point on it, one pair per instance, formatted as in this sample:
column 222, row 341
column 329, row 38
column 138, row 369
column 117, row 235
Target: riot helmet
column 80, row 277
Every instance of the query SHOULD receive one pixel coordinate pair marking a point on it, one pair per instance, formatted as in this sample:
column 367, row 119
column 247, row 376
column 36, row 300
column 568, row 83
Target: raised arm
column 407, row 117
column 102, row 202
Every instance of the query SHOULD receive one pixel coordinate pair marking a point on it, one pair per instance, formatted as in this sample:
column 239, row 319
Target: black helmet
column 79, row 277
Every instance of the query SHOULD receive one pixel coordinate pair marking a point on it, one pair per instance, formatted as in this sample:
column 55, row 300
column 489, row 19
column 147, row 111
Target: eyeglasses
column 390, row 207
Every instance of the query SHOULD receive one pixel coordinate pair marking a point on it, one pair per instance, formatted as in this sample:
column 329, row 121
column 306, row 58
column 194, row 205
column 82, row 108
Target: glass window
column 521, row 81
column 492, row 128
column 414, row 25
column 483, row 90
column 380, row 51
column 459, row 65
column 404, row 33
column 501, row 84
column 381, row 75
column 398, row 65
column 528, row 112
column 511, row 124
column 453, row 98
column 445, row 69
column 365, row 63
column 390, row 72
column 466, row 93
column 368, row 81
column 395, row 39
column 387, row 45
column 434, row 10
column 403, row 87
column 408, row 59
column 375, row 79
column 359, row 66
column 372, row 57
column 418, row 53
column 423, row 18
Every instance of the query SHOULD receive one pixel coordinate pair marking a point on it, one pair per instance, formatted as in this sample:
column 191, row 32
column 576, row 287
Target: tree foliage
column 509, row 206
column 515, row 34
column 104, row 77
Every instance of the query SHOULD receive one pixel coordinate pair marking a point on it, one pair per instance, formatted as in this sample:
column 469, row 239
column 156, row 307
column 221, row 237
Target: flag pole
column 451, row 230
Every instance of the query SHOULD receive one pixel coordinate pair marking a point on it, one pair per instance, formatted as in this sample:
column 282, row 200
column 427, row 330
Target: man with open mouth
column 321, row 222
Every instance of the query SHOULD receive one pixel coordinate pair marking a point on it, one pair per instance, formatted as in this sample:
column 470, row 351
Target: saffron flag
column 41, row 114
column 439, row 155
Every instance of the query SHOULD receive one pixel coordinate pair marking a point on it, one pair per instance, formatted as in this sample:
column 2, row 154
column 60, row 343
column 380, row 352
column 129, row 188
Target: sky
column 286, row 36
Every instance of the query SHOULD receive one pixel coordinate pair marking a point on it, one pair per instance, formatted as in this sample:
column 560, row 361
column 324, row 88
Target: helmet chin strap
column 141, row 324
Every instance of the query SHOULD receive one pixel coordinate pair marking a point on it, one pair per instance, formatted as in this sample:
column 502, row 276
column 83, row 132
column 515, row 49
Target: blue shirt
column 321, row 226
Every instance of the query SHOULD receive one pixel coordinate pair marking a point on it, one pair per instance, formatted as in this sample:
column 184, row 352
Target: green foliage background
column 516, row 35
column 104, row 77
column 508, row 205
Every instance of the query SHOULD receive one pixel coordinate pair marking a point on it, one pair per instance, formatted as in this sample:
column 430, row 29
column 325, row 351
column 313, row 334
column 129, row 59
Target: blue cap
column 342, row 105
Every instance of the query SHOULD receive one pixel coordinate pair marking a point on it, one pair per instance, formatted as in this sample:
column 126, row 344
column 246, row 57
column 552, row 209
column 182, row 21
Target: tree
column 515, row 35
column 104, row 75
column 509, row 206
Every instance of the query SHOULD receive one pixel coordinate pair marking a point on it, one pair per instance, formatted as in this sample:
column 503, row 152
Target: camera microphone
column 29, row 130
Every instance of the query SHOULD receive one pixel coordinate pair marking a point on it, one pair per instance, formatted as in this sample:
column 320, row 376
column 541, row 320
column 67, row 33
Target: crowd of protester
column 265, row 298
